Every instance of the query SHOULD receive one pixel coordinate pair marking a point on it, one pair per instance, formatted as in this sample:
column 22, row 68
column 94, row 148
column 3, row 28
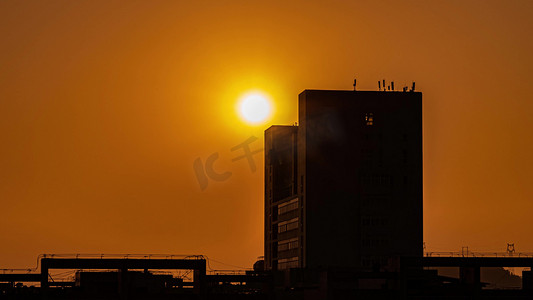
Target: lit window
column 369, row 119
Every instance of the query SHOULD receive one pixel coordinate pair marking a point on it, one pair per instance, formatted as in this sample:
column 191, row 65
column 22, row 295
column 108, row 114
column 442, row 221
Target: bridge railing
column 476, row 254
column 102, row 256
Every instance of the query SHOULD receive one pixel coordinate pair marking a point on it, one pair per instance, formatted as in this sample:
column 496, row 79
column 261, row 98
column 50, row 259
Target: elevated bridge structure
column 470, row 266
column 116, row 262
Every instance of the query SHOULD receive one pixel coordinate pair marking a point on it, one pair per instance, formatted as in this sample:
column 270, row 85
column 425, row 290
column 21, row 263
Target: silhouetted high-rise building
column 344, row 187
column 282, row 208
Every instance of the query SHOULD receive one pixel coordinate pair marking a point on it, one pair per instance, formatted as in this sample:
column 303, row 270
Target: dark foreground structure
column 343, row 220
column 134, row 278
column 344, row 187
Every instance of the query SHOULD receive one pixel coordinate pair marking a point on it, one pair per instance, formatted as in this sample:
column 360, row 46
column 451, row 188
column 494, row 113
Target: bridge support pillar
column 470, row 277
column 527, row 280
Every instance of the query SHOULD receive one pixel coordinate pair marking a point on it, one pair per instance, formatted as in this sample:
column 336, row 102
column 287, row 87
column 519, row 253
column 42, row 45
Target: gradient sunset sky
column 105, row 106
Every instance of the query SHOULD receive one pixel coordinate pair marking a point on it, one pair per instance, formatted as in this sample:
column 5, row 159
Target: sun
column 254, row 107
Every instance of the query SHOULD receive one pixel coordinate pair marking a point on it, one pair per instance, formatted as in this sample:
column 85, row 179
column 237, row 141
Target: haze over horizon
column 105, row 107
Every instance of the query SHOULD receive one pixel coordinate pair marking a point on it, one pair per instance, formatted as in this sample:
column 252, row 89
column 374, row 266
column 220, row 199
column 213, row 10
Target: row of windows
column 287, row 263
column 369, row 156
column 379, row 136
column 287, row 207
column 288, row 245
column 376, row 180
column 376, row 201
column 288, row 225
column 373, row 221
column 374, row 243
column 370, row 261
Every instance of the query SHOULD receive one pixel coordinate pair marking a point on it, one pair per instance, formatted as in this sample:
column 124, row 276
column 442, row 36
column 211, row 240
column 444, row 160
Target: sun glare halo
column 254, row 107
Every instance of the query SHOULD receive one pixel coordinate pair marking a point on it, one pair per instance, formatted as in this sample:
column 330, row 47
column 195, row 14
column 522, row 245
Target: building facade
column 282, row 207
column 344, row 187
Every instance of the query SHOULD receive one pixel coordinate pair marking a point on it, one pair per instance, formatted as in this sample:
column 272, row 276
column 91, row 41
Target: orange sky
column 105, row 105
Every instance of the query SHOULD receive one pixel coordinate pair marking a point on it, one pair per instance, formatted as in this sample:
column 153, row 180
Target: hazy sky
column 105, row 106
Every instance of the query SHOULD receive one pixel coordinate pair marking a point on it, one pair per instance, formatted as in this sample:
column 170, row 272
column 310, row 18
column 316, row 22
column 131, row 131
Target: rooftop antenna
column 384, row 86
column 379, row 85
column 354, row 83
column 413, row 88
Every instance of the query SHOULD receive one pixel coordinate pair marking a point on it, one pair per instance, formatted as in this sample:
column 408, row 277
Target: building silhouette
column 344, row 187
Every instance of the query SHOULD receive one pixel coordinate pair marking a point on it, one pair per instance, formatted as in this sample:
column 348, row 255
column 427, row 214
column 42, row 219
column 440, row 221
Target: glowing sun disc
column 254, row 107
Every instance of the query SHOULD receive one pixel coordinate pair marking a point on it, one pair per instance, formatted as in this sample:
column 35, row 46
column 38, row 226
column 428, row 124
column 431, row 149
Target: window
column 288, row 206
column 367, row 157
column 371, row 261
column 375, row 180
column 288, row 225
column 375, row 202
column 373, row 221
column 374, row 243
column 288, row 245
column 286, row 263
column 369, row 119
